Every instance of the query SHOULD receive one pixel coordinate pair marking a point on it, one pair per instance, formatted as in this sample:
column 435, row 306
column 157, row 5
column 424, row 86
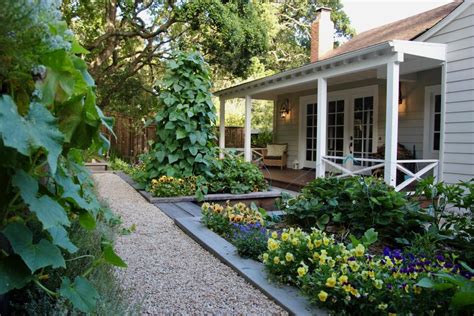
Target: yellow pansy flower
column 272, row 244
column 343, row 279
column 302, row 271
column 318, row 243
column 354, row 266
column 331, row 282
column 276, row 260
column 274, row 235
column 359, row 250
column 285, row 236
column 323, row 296
column 265, row 257
column 295, row 241
column 382, row 306
column 289, row 257
column 378, row 284
column 325, row 241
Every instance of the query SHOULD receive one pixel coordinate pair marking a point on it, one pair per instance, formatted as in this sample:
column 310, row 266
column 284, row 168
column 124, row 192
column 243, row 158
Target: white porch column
column 222, row 127
column 391, row 127
column 439, row 176
column 322, row 127
column 248, row 129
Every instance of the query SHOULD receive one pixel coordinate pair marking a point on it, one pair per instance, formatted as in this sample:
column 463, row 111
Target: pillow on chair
column 274, row 150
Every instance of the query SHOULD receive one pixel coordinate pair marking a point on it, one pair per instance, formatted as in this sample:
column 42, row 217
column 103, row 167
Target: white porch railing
column 257, row 153
column 430, row 165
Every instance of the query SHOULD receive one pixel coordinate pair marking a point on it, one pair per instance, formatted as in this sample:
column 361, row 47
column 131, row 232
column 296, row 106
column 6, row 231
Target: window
column 336, row 128
column 311, row 128
column 436, row 122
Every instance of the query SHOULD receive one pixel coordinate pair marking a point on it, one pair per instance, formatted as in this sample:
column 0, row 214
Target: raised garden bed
column 265, row 199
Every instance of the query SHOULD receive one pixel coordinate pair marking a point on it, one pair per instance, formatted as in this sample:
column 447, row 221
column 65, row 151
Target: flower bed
column 349, row 274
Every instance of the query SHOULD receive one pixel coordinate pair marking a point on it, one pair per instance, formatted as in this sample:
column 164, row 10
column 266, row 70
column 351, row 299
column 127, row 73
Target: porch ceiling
column 366, row 63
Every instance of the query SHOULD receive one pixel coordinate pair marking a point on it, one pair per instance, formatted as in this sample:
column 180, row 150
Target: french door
column 351, row 125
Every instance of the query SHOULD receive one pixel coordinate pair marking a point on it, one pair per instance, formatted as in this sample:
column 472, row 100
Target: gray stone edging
column 286, row 296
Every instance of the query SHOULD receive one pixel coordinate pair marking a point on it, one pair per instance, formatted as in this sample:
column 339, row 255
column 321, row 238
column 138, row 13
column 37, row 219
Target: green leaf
column 180, row 134
column 160, row 156
column 81, row 293
column 44, row 133
column 370, row 236
column 463, row 298
column 87, row 220
column 14, row 274
column 35, row 256
column 13, row 127
column 76, row 48
column 193, row 150
column 172, row 158
column 169, row 125
column 193, row 139
column 61, row 239
column 426, row 283
column 49, row 212
column 111, row 257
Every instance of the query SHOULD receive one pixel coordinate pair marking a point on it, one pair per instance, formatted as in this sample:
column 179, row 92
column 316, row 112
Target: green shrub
column 348, row 281
column 355, row 204
column 449, row 215
column 234, row 175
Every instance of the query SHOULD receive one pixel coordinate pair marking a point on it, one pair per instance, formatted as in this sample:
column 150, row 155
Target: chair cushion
column 274, row 150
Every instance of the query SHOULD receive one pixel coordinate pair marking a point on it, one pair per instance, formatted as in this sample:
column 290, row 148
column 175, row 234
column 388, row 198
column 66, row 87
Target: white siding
column 459, row 128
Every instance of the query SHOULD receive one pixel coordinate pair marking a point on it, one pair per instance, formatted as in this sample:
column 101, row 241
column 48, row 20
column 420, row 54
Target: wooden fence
column 133, row 137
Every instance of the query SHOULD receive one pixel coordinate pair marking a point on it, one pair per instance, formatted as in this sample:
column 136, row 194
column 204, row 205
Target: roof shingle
column 406, row 29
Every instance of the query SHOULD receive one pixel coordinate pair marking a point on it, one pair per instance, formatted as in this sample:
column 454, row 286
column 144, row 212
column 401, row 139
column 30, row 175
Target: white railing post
column 322, row 127
column 391, row 127
column 221, row 127
column 248, row 128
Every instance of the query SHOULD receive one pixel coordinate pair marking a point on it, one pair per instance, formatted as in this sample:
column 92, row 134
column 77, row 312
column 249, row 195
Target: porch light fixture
column 285, row 108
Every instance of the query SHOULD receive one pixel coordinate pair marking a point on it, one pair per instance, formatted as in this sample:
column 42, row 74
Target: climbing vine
column 48, row 117
column 185, row 120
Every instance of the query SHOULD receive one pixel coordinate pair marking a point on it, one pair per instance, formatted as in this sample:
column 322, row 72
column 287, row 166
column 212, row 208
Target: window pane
column 436, row 141
column 309, row 121
column 309, row 109
column 331, row 119
column 340, row 118
column 358, row 104
column 308, row 155
column 438, row 103
column 437, row 122
column 309, row 144
column 332, row 107
column 369, row 102
column 340, row 106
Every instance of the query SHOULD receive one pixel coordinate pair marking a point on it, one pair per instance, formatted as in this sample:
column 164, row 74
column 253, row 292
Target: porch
column 365, row 94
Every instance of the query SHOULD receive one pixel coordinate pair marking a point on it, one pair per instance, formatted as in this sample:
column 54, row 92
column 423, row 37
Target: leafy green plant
column 354, row 204
column 234, row 175
column 463, row 288
column 47, row 120
column 184, row 120
column 453, row 228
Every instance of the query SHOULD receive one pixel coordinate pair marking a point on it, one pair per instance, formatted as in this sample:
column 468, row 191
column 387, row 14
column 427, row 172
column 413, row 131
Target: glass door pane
column 311, row 126
column 363, row 127
column 335, row 136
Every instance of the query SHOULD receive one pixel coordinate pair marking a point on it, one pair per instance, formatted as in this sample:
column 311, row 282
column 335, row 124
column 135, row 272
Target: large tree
column 130, row 39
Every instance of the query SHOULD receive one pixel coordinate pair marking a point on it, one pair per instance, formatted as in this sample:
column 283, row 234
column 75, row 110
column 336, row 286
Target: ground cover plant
column 48, row 118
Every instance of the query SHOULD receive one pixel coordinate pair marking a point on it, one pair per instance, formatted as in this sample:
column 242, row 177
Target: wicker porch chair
column 275, row 155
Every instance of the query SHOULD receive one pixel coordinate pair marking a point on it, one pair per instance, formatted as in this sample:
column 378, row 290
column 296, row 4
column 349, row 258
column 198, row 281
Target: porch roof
column 413, row 56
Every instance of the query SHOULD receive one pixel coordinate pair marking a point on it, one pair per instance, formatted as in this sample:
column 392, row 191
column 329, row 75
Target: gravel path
column 167, row 270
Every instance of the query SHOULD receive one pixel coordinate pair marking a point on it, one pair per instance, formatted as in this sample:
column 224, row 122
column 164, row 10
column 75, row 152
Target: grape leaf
column 61, row 239
column 12, row 125
column 14, row 274
column 81, row 293
column 35, row 256
column 111, row 257
column 49, row 212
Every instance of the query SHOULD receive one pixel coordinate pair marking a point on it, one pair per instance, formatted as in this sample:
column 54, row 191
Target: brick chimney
column 322, row 34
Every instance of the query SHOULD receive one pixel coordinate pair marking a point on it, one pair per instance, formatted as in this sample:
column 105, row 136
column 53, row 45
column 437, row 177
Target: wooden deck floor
column 289, row 179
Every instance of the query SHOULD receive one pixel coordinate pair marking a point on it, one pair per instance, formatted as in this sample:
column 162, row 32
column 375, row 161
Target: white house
column 409, row 82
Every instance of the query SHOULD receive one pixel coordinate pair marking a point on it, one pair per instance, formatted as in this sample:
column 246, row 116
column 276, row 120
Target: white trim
column 428, row 152
column 321, row 139
column 444, row 22
column 444, row 69
column 248, row 129
column 391, row 124
column 348, row 95
column 222, row 127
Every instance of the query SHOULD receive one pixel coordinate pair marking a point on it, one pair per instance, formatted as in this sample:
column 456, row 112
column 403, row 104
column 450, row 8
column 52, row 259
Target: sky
column 367, row 14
